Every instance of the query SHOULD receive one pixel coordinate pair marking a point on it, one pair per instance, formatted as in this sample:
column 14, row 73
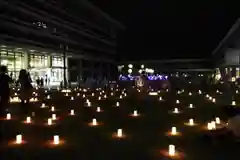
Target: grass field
column 145, row 135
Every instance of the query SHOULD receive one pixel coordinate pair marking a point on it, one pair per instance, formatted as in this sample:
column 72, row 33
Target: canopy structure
column 229, row 39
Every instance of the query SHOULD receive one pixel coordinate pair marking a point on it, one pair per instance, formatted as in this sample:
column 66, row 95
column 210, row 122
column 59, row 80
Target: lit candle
column 213, row 124
column 56, row 140
column 43, row 105
column 8, row 116
column 135, row 113
column 190, row 105
column 99, row 98
column 160, row 98
column 92, row 94
column 83, row 96
column 94, row 122
column 28, row 120
column 72, row 98
column 171, row 150
column 209, row 126
column 190, row 93
column 117, row 104
column 52, row 109
column 177, row 101
column 54, row 117
column 176, row 110
column 72, row 112
column 233, row 103
column 119, row 133
column 174, row 131
column 18, row 139
column 217, row 120
column 49, row 121
column 78, row 94
column 98, row 109
column 120, row 96
column 214, row 100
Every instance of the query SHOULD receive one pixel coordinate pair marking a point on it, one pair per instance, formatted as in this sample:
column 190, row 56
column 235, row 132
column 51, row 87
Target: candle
column 49, row 121
column 174, row 131
column 94, row 122
column 190, row 105
column 92, row 94
column 8, row 117
column 98, row 109
column 171, row 150
column 18, row 139
column 217, row 120
column 72, row 98
column 120, row 96
column 214, row 100
column 56, row 140
column 233, row 103
column 160, row 98
column 28, row 120
column 52, row 109
column 177, row 101
column 54, row 117
column 119, row 133
column 83, row 96
column 176, row 110
column 135, row 113
column 190, row 93
column 117, row 104
column 43, row 105
column 191, row 122
column 99, row 98
column 72, row 112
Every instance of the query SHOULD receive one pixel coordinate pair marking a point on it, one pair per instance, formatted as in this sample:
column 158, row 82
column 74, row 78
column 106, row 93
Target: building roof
column 98, row 12
column 228, row 37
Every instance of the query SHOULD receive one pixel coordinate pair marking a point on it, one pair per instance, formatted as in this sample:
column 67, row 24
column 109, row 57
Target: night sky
column 165, row 29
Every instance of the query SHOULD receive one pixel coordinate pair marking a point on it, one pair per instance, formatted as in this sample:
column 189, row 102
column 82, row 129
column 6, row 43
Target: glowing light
column 43, row 105
column 98, row 109
column 233, row 103
column 119, row 133
column 191, row 122
column 19, row 139
column 171, row 150
column 56, row 140
column 153, row 93
column 177, row 101
column 72, row 112
column 190, row 105
column 176, row 110
column 72, row 98
column 8, row 116
column 117, row 104
column 49, row 122
column 190, row 93
column 54, row 117
column 218, row 121
column 52, row 109
column 94, row 122
column 28, row 120
column 160, row 99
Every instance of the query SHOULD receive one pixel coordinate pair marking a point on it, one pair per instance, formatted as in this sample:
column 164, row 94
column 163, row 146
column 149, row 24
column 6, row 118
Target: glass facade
column 38, row 61
column 13, row 60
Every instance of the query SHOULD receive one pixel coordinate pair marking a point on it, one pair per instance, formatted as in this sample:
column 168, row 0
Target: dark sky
column 163, row 29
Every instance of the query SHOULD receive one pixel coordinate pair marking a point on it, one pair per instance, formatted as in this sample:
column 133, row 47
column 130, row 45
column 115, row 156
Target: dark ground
column 145, row 134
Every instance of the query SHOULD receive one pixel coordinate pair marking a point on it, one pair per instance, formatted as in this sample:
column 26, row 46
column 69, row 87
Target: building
column 56, row 34
column 168, row 66
column 227, row 55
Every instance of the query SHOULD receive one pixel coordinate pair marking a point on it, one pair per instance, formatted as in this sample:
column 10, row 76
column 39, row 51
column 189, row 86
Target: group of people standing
column 24, row 81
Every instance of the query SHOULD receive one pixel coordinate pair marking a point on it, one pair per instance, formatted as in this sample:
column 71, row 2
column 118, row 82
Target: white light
column 72, row 112
column 135, row 113
column 52, row 109
column 28, row 120
column 8, row 117
column 190, row 105
column 176, row 110
column 117, row 104
column 49, row 121
column 171, row 150
column 94, row 122
column 19, row 139
column 98, row 109
column 142, row 66
column 177, row 101
column 55, row 139
column 130, row 66
column 217, row 120
column 119, row 133
column 129, row 70
column 54, row 117
column 191, row 122
column 174, row 131
column 233, row 103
